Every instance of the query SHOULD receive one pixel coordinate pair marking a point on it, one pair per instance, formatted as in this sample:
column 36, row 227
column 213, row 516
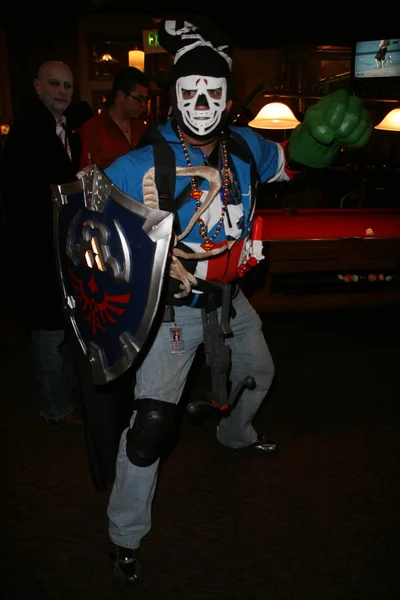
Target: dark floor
column 320, row 522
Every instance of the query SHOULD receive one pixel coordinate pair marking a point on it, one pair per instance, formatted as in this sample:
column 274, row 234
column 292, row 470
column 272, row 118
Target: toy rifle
column 215, row 331
column 218, row 357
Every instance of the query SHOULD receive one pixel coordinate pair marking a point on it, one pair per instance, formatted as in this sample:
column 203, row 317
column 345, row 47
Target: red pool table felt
column 317, row 224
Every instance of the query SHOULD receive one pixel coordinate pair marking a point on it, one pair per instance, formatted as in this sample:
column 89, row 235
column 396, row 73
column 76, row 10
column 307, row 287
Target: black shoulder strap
column 165, row 175
column 241, row 142
column 164, row 164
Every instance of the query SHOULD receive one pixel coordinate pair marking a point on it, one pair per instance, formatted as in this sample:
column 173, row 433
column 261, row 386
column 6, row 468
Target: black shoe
column 126, row 564
column 263, row 446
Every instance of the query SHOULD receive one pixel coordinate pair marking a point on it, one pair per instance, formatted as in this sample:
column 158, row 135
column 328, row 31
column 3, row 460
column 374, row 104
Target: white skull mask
column 209, row 94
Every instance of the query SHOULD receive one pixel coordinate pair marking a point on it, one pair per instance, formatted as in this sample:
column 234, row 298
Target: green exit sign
column 152, row 39
column 150, row 42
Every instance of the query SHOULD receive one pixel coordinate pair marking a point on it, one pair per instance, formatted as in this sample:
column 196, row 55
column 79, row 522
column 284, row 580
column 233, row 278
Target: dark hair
column 126, row 79
column 78, row 113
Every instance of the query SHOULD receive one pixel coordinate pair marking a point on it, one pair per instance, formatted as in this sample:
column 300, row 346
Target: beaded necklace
column 208, row 243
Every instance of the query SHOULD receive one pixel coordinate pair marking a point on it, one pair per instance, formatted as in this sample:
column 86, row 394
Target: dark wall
column 30, row 43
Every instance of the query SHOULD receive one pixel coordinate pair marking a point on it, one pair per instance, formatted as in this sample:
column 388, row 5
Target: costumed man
column 212, row 243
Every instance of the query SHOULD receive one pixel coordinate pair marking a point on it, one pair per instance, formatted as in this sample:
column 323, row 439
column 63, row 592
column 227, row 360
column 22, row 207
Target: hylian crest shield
column 111, row 254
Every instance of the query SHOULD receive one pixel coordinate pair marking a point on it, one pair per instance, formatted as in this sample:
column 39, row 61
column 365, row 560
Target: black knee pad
column 151, row 432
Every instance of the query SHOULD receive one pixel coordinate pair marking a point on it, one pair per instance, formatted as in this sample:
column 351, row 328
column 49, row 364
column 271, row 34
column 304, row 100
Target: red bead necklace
column 208, row 243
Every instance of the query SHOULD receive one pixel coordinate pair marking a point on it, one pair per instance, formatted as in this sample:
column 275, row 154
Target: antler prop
column 151, row 199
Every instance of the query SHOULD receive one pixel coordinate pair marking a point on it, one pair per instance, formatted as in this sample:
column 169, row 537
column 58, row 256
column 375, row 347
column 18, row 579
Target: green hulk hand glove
column 337, row 119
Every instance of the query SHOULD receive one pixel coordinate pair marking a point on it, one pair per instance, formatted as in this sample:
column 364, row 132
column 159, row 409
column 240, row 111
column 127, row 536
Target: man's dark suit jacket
column 34, row 158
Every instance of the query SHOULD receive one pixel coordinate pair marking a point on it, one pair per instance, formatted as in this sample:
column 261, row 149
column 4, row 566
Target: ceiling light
column 275, row 115
column 391, row 122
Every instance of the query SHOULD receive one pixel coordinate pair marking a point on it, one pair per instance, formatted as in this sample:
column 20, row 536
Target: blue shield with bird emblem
column 112, row 253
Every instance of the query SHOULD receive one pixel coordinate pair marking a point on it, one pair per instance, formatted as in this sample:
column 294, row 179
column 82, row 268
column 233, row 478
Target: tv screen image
column 377, row 58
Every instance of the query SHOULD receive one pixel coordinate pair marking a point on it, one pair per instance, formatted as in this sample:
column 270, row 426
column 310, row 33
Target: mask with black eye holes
column 201, row 104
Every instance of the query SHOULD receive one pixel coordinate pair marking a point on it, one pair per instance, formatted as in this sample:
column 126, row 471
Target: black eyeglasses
column 141, row 99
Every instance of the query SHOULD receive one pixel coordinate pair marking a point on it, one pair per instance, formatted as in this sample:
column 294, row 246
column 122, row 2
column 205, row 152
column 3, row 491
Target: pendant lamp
column 275, row 115
column 106, row 58
column 391, row 122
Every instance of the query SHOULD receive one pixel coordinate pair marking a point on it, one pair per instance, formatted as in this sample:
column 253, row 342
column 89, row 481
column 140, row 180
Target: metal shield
column 111, row 254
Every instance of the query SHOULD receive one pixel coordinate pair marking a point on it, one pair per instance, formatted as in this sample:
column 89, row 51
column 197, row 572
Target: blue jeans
column 162, row 376
column 55, row 372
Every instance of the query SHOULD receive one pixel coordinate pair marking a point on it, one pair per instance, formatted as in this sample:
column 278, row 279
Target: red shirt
column 103, row 141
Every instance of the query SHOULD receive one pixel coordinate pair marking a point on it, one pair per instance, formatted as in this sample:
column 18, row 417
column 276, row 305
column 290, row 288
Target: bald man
column 40, row 151
column 54, row 86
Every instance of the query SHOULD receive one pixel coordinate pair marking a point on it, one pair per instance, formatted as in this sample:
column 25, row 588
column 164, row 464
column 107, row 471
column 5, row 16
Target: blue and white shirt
column 128, row 171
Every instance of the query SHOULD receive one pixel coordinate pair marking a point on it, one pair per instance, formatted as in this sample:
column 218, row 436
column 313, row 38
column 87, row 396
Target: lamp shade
column 275, row 115
column 106, row 58
column 391, row 122
column 136, row 59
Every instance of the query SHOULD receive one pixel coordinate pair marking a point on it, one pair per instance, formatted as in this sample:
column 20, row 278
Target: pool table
column 327, row 258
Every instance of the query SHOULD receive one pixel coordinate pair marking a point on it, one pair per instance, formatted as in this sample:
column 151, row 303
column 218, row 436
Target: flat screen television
column 376, row 59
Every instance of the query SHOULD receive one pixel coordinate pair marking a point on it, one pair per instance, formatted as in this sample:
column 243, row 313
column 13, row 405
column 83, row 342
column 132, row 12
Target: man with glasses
column 118, row 128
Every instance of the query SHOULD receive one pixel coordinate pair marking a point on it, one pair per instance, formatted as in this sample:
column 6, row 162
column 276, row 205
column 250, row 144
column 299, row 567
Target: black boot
column 126, row 564
column 262, row 446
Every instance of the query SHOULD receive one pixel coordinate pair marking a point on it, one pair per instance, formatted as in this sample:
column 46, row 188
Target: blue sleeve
column 268, row 155
column 126, row 173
